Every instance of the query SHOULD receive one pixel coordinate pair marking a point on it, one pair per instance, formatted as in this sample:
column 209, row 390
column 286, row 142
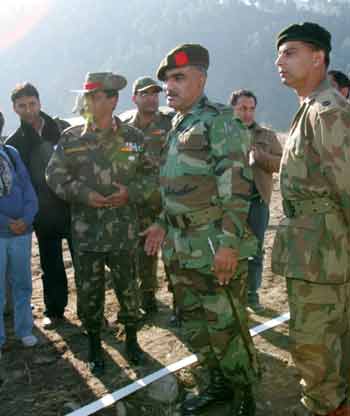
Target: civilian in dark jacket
column 35, row 140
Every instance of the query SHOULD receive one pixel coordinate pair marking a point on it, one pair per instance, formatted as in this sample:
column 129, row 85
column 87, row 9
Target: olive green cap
column 183, row 55
column 306, row 32
column 143, row 83
column 103, row 81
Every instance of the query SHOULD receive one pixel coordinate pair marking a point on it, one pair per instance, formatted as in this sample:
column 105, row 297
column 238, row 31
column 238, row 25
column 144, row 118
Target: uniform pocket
column 305, row 248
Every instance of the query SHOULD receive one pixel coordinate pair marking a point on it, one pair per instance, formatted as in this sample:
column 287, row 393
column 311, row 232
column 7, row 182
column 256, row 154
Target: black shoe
column 218, row 391
column 149, row 304
column 133, row 350
column 244, row 403
column 96, row 362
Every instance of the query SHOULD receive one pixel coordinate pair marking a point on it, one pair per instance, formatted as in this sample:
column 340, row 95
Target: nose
column 278, row 60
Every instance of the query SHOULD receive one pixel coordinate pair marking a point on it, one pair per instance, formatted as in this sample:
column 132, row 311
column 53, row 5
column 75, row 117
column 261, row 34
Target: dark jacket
column 36, row 151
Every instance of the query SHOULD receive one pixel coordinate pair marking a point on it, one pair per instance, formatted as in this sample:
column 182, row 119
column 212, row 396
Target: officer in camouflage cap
column 99, row 168
column 155, row 124
column 206, row 184
column 311, row 248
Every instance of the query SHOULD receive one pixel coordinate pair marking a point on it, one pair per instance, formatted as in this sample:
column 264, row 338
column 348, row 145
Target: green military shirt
column 312, row 243
column 154, row 136
column 205, row 172
column 86, row 161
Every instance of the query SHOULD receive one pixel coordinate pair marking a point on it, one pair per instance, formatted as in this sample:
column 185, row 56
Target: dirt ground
column 52, row 379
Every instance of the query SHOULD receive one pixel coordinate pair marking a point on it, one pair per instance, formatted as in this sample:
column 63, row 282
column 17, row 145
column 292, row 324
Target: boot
column 218, row 391
column 96, row 362
column 149, row 304
column 133, row 350
column 244, row 402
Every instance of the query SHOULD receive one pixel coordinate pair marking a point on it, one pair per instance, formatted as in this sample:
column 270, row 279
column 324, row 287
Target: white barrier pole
column 139, row 384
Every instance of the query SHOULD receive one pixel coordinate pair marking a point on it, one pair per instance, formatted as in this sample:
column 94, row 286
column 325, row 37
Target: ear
column 133, row 99
column 318, row 58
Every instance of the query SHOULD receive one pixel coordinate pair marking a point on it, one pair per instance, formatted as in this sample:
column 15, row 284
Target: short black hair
column 236, row 95
column 340, row 78
column 25, row 89
column 316, row 48
column 2, row 122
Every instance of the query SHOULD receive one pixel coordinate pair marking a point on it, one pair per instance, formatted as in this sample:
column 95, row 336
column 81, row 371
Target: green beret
column 103, row 81
column 306, row 32
column 183, row 55
column 144, row 83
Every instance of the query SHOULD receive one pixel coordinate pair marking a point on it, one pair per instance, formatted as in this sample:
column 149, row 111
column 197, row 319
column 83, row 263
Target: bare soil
column 52, row 379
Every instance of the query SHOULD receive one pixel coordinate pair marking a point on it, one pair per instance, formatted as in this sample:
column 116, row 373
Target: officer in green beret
column 154, row 124
column 311, row 248
column 206, row 184
column 99, row 168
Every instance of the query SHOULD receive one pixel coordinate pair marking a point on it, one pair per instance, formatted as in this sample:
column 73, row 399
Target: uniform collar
column 323, row 86
column 196, row 108
column 136, row 120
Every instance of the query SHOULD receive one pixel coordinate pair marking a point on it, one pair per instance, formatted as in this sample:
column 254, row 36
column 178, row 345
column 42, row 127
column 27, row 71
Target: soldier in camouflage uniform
column 206, row 185
column 311, row 248
column 98, row 167
column 154, row 124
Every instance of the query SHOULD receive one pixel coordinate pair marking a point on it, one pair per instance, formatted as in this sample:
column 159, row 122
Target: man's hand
column 225, row 264
column 97, row 200
column 119, row 198
column 18, row 227
column 154, row 237
column 256, row 153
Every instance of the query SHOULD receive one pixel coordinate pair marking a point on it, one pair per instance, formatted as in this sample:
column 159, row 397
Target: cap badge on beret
column 181, row 58
column 89, row 86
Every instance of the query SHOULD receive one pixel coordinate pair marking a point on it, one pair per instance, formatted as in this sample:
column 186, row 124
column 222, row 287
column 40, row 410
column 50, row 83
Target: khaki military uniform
column 266, row 162
column 312, row 246
column 154, row 138
column 205, row 184
column 90, row 160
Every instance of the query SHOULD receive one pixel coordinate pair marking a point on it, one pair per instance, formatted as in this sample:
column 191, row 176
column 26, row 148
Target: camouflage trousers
column 147, row 271
column 319, row 332
column 90, row 273
column 214, row 330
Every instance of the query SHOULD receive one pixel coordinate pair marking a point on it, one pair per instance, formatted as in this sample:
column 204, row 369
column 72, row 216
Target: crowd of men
column 194, row 181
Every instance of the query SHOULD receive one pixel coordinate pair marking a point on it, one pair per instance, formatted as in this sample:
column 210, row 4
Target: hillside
column 67, row 39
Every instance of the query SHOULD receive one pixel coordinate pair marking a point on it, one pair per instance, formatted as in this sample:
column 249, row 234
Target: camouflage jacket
column 154, row 139
column 206, row 181
column 263, row 168
column 86, row 161
column 312, row 243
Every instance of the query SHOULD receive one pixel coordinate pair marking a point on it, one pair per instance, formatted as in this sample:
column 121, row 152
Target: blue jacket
column 21, row 202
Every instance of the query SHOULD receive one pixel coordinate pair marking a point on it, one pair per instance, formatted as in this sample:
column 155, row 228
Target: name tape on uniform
column 139, row 384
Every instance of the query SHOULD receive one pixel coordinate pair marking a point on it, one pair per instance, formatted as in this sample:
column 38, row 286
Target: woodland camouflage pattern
column 312, row 246
column 154, row 139
column 90, row 161
column 205, row 175
column 86, row 161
